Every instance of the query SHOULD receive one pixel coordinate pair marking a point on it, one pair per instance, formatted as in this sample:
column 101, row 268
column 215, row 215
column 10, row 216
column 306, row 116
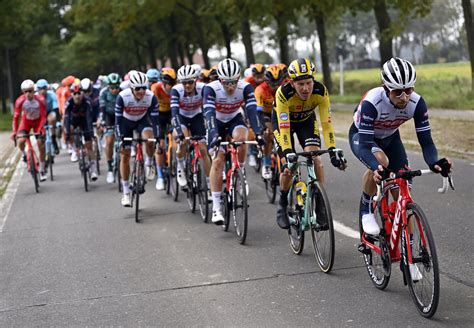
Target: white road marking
column 345, row 230
column 9, row 195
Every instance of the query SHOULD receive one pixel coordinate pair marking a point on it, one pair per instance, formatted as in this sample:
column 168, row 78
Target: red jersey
column 33, row 113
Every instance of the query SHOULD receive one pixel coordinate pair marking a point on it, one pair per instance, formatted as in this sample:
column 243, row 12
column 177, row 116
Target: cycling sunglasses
column 229, row 82
column 188, row 82
column 399, row 93
column 77, row 93
column 28, row 91
column 139, row 88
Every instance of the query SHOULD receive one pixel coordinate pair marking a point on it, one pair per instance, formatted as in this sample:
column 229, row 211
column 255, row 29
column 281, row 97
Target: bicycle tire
column 34, row 171
column 191, row 188
column 295, row 233
column 226, row 204
column 84, row 169
column 425, row 292
column 174, row 176
column 322, row 233
column 97, row 154
column 50, row 164
column 271, row 186
column 239, row 201
column 137, row 186
column 202, row 191
column 258, row 164
column 378, row 265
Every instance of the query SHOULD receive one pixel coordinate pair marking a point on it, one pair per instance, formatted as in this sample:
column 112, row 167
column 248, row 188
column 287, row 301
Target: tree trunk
column 383, row 23
column 226, row 34
column 469, row 23
column 181, row 56
column 9, row 79
column 151, row 52
column 321, row 28
column 174, row 51
column 282, row 35
column 247, row 40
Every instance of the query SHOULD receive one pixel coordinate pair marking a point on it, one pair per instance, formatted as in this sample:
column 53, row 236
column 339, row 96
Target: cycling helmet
column 138, row 79
column 86, row 84
column 398, row 73
column 213, row 73
column 274, row 75
column 301, row 69
column 258, row 69
column 75, row 87
column 248, row 72
column 42, row 84
column 68, row 80
column 27, row 85
column 187, row 72
column 153, row 75
column 284, row 69
column 204, row 73
column 228, row 69
column 197, row 68
column 113, row 78
column 168, row 75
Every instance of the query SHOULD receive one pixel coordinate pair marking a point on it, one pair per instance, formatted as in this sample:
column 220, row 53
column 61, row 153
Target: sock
column 42, row 166
column 92, row 165
column 208, row 181
column 216, row 200
column 148, row 161
column 267, row 160
column 284, row 198
column 365, row 204
column 159, row 172
column 125, row 187
column 180, row 163
column 242, row 164
column 110, row 165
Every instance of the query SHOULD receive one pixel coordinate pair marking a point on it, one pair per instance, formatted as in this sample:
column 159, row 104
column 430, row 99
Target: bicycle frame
column 31, row 154
column 232, row 149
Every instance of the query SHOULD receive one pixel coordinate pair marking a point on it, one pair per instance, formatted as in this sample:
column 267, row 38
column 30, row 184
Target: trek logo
column 395, row 226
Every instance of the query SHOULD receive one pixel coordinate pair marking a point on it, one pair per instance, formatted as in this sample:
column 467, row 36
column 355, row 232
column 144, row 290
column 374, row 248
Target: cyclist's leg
column 109, row 140
column 215, row 175
column 267, row 150
column 164, row 120
column 307, row 133
column 145, row 130
column 239, row 132
column 52, row 118
column 198, row 128
column 128, row 127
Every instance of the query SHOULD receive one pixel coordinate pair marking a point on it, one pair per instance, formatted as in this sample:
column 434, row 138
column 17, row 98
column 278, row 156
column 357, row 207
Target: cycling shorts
column 164, row 121
column 195, row 125
column 27, row 125
column 141, row 125
column 86, row 128
column 225, row 129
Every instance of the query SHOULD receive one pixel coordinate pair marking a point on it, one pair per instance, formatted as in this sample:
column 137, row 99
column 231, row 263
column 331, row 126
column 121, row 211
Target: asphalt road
column 71, row 258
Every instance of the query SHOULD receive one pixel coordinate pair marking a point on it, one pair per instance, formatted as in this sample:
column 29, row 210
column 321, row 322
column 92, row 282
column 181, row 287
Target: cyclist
column 32, row 109
column 153, row 76
column 93, row 94
column 135, row 109
column 187, row 118
column 63, row 93
column 78, row 113
column 107, row 100
column 52, row 110
column 222, row 107
column 374, row 137
column 265, row 97
column 162, row 91
column 213, row 74
column 295, row 112
column 204, row 76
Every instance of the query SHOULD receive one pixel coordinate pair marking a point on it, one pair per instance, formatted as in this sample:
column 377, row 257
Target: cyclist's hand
column 13, row 136
column 179, row 136
column 291, row 157
column 260, row 140
column 378, row 174
column 339, row 162
column 442, row 166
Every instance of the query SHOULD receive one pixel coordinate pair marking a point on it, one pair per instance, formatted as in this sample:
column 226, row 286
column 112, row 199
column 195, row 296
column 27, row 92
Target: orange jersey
column 265, row 97
column 163, row 97
column 63, row 93
column 251, row 80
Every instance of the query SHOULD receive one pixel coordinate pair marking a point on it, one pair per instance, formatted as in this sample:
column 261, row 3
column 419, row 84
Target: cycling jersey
column 51, row 101
column 129, row 108
column 376, row 118
column 163, row 97
column 33, row 114
column 188, row 106
column 265, row 97
column 107, row 101
column 251, row 80
column 79, row 115
column 290, row 108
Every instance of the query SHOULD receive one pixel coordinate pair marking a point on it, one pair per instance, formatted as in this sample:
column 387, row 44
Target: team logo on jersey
column 284, row 116
column 285, row 125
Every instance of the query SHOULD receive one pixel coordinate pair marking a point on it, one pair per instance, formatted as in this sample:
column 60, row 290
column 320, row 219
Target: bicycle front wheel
column 322, row 229
column 84, row 170
column 423, row 275
column 34, row 171
column 174, row 176
column 295, row 232
column 192, row 186
column 138, row 186
column 239, row 205
column 202, row 190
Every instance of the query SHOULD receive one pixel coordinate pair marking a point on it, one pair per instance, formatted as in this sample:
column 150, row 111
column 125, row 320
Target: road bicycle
column 405, row 237
column 49, row 150
column 31, row 158
column 272, row 184
column 97, row 148
column 197, row 190
column 309, row 209
column 234, row 196
column 84, row 163
column 137, row 175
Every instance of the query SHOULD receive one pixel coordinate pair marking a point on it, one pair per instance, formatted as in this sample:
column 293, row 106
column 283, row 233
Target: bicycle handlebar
column 139, row 139
column 293, row 158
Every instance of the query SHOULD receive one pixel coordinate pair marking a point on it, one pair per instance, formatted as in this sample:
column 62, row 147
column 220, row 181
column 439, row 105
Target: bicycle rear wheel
column 84, row 169
column 138, row 186
column 50, row 163
column 378, row 265
column 201, row 187
column 271, row 186
column 173, row 171
column 322, row 229
column 239, row 205
column 34, row 170
column 295, row 233
column 424, row 291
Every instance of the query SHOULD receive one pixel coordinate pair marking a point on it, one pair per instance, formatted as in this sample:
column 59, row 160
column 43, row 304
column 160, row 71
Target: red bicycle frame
column 31, row 154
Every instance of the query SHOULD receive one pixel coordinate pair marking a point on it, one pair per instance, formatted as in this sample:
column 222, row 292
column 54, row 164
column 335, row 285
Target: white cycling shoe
column 369, row 224
column 181, row 178
column 74, row 157
column 217, row 217
column 267, row 172
column 415, row 272
column 150, row 172
column 110, row 177
column 126, row 200
column 252, row 161
column 160, row 184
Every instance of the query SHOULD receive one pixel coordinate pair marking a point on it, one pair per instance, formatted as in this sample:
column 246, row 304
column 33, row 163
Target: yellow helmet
column 274, row 75
column 168, row 75
column 301, row 68
column 258, row 69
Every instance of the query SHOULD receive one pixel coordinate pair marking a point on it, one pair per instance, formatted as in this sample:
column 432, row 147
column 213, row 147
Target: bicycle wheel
column 202, row 191
column 227, row 206
column 322, row 229
column 97, row 154
column 117, row 176
column 34, row 171
column 271, row 186
column 50, row 162
column 138, row 186
column 295, row 233
column 84, row 169
column 378, row 265
column 191, row 188
column 239, row 205
column 424, row 291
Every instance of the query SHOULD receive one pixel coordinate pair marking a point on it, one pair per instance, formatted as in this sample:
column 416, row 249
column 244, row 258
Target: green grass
column 441, row 85
column 5, row 122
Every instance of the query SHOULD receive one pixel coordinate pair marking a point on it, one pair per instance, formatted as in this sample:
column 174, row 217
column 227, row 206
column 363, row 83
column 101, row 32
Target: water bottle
column 300, row 189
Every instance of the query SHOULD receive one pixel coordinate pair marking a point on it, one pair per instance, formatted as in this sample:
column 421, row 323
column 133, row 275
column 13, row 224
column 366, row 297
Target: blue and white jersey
column 187, row 106
column 51, row 101
column 225, row 105
column 377, row 116
column 129, row 107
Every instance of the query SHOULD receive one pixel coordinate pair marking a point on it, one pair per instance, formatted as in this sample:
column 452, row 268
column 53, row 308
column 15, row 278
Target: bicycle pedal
column 364, row 249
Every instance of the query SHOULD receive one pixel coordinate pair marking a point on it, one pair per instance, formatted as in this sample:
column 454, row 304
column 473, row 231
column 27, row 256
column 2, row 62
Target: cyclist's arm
column 209, row 107
column 325, row 117
column 282, row 132
column 251, row 109
column 174, row 104
column 102, row 102
column 16, row 114
column 423, row 132
column 153, row 112
column 43, row 115
column 89, row 115
column 67, row 116
column 119, row 114
column 368, row 115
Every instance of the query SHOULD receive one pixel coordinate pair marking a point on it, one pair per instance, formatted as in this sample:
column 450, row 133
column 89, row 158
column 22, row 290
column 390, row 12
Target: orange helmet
column 168, row 75
column 213, row 73
column 68, row 80
column 284, row 69
column 274, row 75
column 258, row 69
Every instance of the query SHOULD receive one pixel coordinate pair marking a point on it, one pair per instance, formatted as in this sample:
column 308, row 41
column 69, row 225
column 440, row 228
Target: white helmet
column 187, row 72
column 197, row 68
column 398, row 73
column 138, row 79
column 248, row 72
column 228, row 69
column 86, row 84
column 27, row 85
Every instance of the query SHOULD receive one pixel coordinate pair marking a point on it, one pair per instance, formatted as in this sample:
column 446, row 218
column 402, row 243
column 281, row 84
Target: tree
column 469, row 24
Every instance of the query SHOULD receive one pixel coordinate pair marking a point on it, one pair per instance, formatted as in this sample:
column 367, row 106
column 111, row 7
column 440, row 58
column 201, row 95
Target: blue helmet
column 153, row 75
column 42, row 84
